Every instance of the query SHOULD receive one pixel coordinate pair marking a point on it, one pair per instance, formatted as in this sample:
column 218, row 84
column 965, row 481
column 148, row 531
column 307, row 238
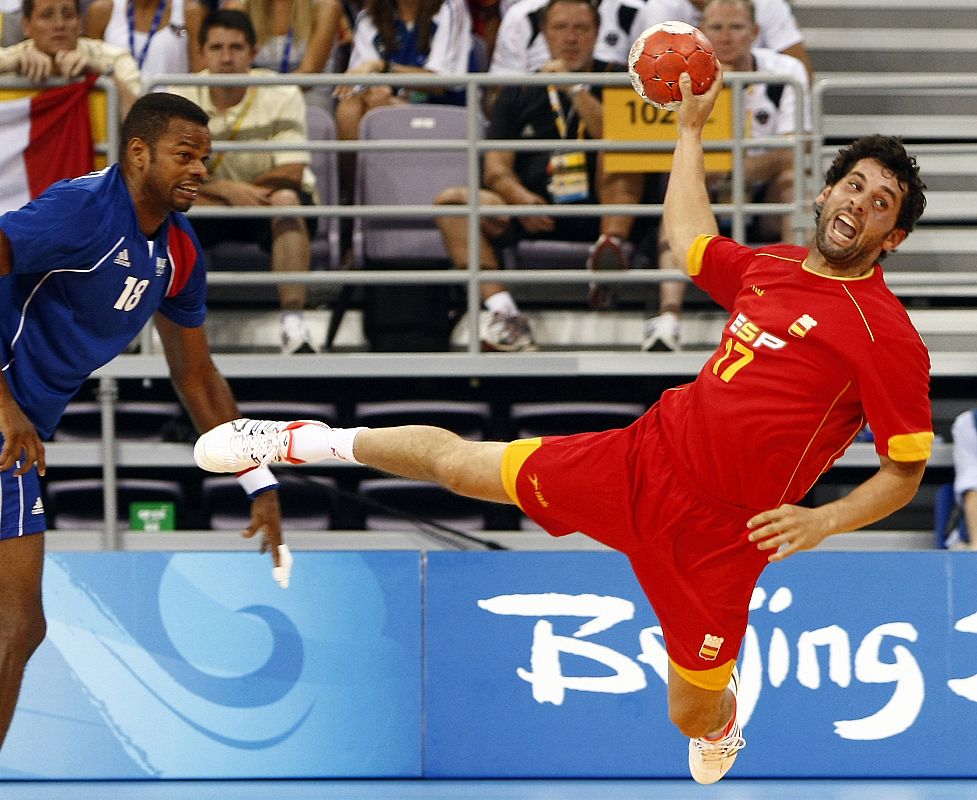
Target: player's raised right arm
column 687, row 211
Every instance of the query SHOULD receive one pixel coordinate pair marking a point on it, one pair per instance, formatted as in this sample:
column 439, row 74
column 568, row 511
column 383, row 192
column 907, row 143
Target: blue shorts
column 21, row 508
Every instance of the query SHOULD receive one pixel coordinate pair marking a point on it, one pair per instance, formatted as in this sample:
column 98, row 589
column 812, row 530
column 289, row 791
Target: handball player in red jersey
column 700, row 493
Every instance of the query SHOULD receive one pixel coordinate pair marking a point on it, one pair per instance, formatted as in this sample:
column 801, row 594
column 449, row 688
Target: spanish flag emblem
column 710, row 647
column 800, row 327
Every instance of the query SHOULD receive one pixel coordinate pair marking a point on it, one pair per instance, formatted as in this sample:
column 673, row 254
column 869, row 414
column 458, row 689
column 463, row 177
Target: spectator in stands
column 485, row 16
column 401, row 36
column 297, row 35
column 160, row 34
column 621, row 22
column 535, row 178
column 256, row 178
column 965, row 465
column 778, row 29
column 769, row 173
column 521, row 48
column 55, row 47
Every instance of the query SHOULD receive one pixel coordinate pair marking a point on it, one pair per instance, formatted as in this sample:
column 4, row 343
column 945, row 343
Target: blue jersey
column 85, row 281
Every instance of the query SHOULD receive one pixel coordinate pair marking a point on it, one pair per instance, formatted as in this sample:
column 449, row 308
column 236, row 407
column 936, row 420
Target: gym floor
column 729, row 789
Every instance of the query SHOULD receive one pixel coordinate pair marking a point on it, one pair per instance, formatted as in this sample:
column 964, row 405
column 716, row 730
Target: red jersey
column 805, row 360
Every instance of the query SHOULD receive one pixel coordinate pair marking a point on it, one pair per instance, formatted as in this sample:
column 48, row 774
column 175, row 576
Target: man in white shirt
column 256, row 178
column 777, row 28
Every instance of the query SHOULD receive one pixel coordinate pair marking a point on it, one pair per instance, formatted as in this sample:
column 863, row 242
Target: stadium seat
column 280, row 409
column 77, row 504
column 557, row 419
column 307, row 502
column 406, row 178
column 397, row 504
column 470, row 420
column 134, row 421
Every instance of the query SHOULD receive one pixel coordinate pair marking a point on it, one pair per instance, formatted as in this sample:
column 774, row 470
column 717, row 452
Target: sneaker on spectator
column 606, row 254
column 662, row 333
column 710, row 760
column 296, row 337
column 507, row 333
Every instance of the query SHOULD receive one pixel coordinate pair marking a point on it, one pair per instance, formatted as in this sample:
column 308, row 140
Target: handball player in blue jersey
column 83, row 267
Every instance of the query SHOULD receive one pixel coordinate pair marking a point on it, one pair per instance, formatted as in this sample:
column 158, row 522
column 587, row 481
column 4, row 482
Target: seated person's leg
column 290, row 253
column 661, row 332
column 610, row 251
column 506, row 328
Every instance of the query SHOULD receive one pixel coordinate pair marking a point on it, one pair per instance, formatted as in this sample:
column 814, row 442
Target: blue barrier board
column 197, row 665
column 545, row 664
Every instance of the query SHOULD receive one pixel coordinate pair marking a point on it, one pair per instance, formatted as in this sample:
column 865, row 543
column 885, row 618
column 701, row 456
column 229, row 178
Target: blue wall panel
column 196, row 665
column 550, row 664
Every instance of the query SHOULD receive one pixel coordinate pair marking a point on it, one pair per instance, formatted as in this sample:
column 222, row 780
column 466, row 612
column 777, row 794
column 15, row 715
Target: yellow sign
column 629, row 118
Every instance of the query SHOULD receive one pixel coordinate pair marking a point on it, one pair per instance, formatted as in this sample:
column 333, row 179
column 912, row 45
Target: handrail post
column 108, row 394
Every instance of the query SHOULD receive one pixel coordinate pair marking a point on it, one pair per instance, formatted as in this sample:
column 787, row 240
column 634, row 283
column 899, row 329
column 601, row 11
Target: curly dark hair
column 890, row 152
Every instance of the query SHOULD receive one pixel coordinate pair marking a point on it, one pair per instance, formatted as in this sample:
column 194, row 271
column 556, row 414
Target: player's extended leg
column 708, row 718
column 22, row 625
column 421, row 452
column 426, row 453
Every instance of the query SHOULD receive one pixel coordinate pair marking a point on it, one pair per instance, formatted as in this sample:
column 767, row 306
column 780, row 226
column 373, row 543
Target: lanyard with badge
column 157, row 18
column 569, row 182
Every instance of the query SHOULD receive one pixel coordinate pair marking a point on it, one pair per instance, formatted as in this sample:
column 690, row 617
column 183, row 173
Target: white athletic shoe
column 506, row 333
column 662, row 333
column 709, row 761
column 247, row 443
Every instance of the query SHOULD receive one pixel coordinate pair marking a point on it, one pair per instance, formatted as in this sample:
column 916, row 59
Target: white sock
column 312, row 443
column 502, row 303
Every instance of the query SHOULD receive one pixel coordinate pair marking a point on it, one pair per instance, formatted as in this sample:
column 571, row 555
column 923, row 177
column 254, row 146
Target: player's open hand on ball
column 787, row 530
column 695, row 109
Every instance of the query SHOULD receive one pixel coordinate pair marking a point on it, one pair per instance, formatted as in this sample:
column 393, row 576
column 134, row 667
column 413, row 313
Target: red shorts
column 689, row 551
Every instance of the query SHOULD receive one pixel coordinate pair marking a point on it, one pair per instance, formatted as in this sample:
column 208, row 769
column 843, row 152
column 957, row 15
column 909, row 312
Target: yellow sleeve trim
column 714, row 679
column 693, row 259
column 911, row 446
column 513, row 457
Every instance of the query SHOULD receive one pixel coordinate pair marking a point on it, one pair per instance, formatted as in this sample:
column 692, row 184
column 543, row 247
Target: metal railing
column 738, row 210
column 109, row 453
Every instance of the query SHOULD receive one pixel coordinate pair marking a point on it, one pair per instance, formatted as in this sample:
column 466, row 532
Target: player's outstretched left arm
column 789, row 529
column 209, row 401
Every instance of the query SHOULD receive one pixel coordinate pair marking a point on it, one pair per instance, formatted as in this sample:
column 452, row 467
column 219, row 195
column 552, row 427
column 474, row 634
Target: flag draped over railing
column 47, row 136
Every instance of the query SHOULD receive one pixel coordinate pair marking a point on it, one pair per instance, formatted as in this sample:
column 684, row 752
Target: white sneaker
column 709, row 761
column 296, row 337
column 247, row 443
column 662, row 333
column 507, row 333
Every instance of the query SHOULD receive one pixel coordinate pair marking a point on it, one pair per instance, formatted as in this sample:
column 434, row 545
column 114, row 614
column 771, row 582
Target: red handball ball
column 662, row 53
